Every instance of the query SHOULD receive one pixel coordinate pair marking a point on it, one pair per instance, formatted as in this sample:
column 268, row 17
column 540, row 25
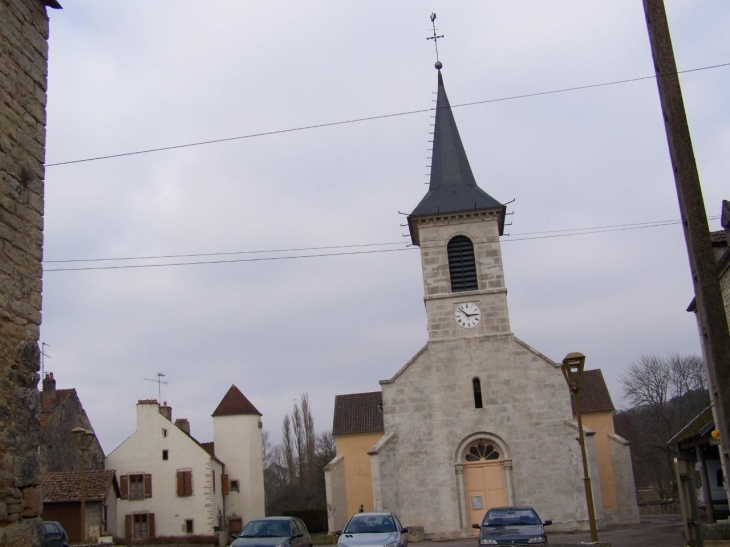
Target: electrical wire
column 548, row 234
column 380, row 117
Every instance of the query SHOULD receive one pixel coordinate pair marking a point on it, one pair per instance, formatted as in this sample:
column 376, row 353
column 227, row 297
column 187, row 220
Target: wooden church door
column 484, row 477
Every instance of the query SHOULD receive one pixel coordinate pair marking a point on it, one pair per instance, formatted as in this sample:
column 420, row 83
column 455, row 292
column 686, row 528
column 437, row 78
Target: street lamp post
column 82, row 438
column 573, row 371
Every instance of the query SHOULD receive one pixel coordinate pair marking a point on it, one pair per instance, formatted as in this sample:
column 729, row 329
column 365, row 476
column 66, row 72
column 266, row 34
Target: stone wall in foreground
column 23, row 73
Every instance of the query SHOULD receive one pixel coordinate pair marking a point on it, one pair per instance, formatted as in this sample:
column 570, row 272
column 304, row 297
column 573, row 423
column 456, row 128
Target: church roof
column 452, row 187
column 234, row 403
column 594, row 395
column 358, row 413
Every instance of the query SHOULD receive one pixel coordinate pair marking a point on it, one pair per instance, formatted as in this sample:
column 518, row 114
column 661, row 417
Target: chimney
column 166, row 411
column 184, row 425
column 48, row 395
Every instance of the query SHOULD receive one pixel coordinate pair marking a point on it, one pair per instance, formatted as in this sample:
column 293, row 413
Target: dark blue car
column 512, row 526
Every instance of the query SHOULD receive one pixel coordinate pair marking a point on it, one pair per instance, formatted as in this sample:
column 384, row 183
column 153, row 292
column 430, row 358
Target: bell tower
column 457, row 226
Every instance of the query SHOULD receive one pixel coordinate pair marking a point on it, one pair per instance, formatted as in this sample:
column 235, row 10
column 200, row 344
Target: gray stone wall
column 628, row 507
column 23, row 72
column 57, row 450
column 334, row 481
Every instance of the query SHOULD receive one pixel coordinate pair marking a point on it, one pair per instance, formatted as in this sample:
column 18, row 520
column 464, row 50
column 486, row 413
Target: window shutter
column 188, row 483
column 180, row 484
column 128, row 529
column 151, row 525
column 124, row 486
column 224, row 484
column 147, row 485
column 462, row 266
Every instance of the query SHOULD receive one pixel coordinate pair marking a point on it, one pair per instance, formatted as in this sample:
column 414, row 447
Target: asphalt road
column 654, row 531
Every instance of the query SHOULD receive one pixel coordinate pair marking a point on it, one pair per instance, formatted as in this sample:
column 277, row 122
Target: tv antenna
column 159, row 381
column 43, row 356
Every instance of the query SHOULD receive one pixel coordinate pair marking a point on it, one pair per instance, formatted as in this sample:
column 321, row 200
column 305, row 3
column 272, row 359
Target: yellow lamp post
column 573, row 371
column 82, row 438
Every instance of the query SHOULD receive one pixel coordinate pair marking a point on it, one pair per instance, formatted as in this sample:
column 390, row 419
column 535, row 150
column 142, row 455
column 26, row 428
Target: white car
column 373, row 530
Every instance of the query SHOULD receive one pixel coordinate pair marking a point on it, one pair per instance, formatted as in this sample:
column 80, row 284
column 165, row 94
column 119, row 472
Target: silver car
column 373, row 530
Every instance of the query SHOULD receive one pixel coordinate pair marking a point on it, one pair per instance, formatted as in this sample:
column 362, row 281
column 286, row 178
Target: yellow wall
column 358, row 484
column 602, row 424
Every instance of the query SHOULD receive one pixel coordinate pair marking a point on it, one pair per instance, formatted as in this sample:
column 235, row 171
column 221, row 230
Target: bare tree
column 288, row 448
column 665, row 393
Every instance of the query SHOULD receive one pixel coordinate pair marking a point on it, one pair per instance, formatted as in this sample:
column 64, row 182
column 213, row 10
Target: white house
column 173, row 485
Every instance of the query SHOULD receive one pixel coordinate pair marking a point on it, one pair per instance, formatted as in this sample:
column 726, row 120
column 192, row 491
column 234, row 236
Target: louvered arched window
column 462, row 268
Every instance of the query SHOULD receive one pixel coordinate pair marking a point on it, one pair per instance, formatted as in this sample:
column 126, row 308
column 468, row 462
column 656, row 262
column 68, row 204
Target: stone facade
column 23, row 76
column 61, row 411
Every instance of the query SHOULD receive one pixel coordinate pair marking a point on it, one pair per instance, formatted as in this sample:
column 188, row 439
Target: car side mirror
column 234, row 535
column 338, row 533
column 404, row 530
column 547, row 523
column 475, row 526
column 295, row 536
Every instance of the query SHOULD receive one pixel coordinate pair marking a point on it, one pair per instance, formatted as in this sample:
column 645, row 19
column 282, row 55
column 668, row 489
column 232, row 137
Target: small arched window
column 481, row 451
column 477, row 385
column 462, row 268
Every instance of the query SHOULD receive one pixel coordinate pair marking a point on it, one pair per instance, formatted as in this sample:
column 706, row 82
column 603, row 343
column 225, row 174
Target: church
column 477, row 418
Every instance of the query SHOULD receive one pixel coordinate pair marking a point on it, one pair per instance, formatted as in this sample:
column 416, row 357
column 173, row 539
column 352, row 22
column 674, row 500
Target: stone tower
column 238, row 443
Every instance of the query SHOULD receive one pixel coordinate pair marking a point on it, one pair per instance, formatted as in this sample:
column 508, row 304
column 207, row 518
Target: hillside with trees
column 664, row 394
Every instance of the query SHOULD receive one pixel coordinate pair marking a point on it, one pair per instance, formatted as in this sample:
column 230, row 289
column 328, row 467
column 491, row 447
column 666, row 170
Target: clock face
column 468, row 315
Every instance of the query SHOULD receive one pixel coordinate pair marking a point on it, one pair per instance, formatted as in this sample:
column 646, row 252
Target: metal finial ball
column 438, row 65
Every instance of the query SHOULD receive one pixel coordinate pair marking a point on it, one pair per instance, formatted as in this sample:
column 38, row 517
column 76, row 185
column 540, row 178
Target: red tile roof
column 234, row 403
column 66, row 486
column 358, row 413
column 209, row 448
column 594, row 395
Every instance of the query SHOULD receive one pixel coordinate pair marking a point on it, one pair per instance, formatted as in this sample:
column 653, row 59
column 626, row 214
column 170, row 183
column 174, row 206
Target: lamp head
column 573, row 368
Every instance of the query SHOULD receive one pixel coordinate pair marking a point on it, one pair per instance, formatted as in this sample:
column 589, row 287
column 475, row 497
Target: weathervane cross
column 435, row 39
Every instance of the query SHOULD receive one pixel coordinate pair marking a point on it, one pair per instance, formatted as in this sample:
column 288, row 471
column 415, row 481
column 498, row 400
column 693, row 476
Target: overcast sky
column 135, row 75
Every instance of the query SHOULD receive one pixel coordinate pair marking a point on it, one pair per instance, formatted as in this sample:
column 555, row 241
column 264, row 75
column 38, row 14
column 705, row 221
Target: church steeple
column 452, row 188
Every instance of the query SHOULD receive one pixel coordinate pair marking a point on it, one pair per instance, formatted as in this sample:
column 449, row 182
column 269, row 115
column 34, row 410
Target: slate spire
column 452, row 187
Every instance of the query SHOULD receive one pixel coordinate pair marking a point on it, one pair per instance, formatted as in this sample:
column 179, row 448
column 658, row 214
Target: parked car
column 53, row 535
column 373, row 530
column 273, row 532
column 512, row 526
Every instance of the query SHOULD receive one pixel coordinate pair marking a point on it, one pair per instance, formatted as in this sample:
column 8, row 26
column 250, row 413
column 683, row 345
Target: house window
column 184, row 482
column 234, row 486
column 188, row 526
column 214, row 481
column 142, row 528
column 164, row 454
column 462, row 267
column 476, row 384
column 164, row 432
column 136, row 487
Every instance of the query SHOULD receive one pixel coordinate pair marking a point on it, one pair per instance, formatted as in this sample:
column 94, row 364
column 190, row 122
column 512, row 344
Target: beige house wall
column 602, row 424
column 358, row 479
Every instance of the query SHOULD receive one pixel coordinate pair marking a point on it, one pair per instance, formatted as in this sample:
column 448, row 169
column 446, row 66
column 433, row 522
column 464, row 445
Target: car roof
column 373, row 514
column 272, row 518
column 514, row 508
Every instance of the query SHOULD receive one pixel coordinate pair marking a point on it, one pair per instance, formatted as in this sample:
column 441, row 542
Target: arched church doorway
column 484, row 479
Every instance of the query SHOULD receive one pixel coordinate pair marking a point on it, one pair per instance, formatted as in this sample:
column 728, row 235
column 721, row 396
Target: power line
column 220, row 254
column 380, row 117
column 537, row 235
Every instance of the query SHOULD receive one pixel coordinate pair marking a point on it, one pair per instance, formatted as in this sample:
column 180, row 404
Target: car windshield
column 510, row 517
column 370, row 524
column 267, row 528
